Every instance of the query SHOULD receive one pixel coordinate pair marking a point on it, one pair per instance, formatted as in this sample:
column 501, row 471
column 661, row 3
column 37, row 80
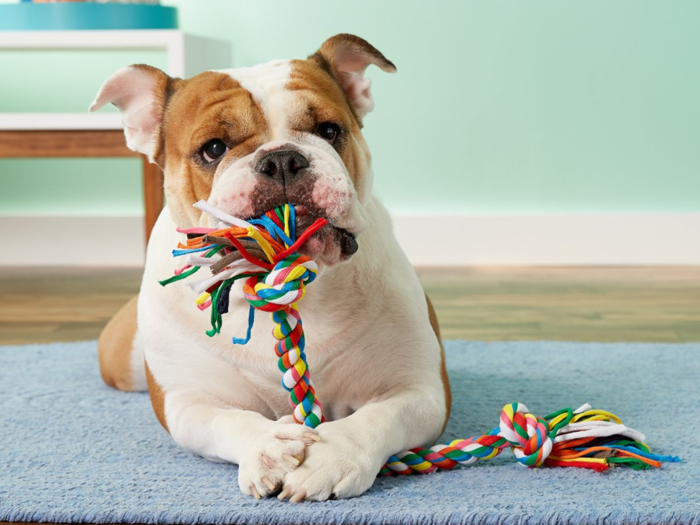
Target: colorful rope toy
column 584, row 438
column 264, row 252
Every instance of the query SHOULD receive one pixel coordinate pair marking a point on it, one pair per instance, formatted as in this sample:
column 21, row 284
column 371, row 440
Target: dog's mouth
column 329, row 243
column 322, row 242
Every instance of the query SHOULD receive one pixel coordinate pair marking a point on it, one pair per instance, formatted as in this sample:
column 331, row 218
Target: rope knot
column 528, row 435
column 283, row 286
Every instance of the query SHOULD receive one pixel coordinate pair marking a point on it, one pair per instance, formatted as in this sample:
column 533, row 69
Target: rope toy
column 264, row 252
column 583, row 438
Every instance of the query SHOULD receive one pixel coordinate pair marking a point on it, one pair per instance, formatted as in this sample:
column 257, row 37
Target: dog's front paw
column 337, row 466
column 277, row 451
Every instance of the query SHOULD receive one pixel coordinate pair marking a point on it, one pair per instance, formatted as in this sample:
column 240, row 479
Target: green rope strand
column 191, row 271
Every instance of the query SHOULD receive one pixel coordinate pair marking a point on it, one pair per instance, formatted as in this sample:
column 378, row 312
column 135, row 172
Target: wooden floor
column 577, row 304
column 566, row 304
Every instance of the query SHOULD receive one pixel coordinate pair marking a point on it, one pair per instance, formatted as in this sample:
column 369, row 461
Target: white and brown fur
column 373, row 343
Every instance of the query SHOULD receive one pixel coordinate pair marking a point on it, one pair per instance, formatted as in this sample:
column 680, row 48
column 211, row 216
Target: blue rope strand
column 251, row 320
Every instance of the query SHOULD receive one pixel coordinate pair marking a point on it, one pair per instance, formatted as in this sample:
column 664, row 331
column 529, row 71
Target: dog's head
column 250, row 139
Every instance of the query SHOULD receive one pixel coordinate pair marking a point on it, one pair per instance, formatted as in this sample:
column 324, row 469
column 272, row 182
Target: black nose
column 282, row 165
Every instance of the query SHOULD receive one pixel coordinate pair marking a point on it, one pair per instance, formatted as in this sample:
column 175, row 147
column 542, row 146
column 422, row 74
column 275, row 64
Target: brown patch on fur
column 443, row 369
column 319, row 99
column 115, row 346
column 208, row 106
column 157, row 398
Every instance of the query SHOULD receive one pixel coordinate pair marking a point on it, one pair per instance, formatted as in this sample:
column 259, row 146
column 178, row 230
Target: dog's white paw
column 277, row 451
column 336, row 466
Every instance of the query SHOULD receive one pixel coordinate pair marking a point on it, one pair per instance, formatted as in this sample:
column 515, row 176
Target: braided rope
column 276, row 282
column 278, row 292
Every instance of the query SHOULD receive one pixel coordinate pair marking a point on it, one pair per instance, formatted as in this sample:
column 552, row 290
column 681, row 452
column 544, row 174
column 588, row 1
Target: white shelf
column 55, row 121
column 143, row 38
column 187, row 55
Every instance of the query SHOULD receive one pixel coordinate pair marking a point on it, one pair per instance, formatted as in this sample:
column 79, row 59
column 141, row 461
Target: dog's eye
column 214, row 150
column 328, row 131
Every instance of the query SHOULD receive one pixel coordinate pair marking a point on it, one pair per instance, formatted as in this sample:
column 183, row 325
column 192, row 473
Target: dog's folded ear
column 347, row 57
column 140, row 93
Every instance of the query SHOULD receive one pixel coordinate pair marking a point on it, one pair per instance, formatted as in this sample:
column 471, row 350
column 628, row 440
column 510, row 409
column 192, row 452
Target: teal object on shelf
column 27, row 16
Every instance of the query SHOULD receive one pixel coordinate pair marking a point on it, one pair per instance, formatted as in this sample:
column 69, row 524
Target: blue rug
column 74, row 450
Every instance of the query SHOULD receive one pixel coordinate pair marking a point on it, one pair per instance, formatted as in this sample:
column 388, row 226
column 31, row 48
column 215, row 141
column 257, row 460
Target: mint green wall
column 498, row 106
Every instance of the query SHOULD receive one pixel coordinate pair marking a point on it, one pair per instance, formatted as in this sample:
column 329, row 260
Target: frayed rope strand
column 195, row 269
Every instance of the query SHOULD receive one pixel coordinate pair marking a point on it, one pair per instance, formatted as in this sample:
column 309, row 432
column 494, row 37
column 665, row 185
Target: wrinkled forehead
column 280, row 81
column 277, row 95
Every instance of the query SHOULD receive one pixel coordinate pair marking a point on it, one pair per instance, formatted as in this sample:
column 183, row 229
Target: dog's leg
column 120, row 353
column 345, row 462
column 443, row 367
column 265, row 450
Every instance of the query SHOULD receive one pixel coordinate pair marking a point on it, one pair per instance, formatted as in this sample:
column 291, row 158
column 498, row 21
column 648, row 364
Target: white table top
column 115, row 39
column 56, row 121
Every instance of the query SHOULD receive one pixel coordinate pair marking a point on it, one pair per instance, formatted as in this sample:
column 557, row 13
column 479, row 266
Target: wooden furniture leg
column 152, row 194
column 83, row 143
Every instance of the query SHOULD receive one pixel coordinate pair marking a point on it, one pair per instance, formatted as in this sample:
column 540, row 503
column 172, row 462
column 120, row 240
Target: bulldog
column 247, row 140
